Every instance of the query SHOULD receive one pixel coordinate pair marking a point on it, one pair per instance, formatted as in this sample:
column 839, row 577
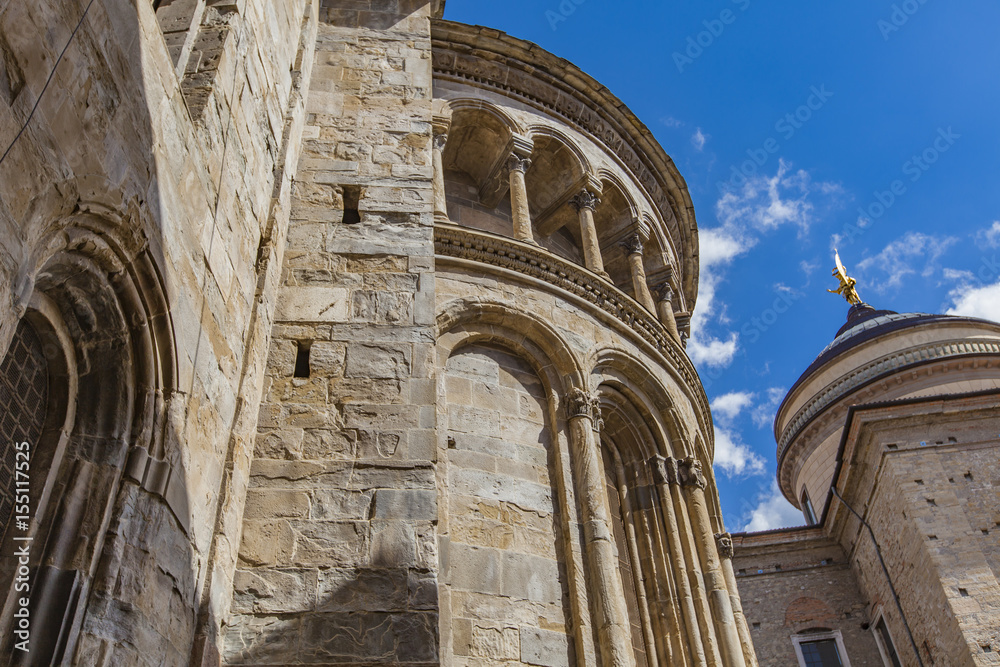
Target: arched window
column 34, row 398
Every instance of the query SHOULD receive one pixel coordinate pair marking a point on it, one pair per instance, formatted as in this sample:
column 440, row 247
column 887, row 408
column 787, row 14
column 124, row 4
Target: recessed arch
column 97, row 293
column 504, row 322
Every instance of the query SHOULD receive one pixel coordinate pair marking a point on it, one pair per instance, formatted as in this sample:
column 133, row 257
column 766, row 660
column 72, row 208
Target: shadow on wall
column 89, row 378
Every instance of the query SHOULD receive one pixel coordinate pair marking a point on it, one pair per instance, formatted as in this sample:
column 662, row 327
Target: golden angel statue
column 847, row 283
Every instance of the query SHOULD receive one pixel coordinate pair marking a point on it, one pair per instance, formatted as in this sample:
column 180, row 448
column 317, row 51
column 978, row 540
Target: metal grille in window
column 24, row 390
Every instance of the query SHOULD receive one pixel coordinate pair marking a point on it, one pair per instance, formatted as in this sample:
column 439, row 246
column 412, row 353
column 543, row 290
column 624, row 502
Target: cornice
column 490, row 59
column 880, row 368
column 537, row 263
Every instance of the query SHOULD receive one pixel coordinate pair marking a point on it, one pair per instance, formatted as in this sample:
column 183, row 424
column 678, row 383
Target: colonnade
column 705, row 608
column 585, row 202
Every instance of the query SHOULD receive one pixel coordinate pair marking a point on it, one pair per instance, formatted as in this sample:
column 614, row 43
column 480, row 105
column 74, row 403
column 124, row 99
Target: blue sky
column 870, row 125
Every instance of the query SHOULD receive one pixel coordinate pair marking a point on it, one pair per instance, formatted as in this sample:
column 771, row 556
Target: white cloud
column 973, row 301
column 712, row 352
column 761, row 204
column 729, row 406
column 698, row 140
column 734, row 457
column 991, row 235
column 670, row 121
column 773, row 511
column 763, row 416
column 897, row 259
column 766, row 203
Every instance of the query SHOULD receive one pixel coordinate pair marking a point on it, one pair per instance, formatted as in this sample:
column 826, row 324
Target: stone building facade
column 889, row 444
column 343, row 334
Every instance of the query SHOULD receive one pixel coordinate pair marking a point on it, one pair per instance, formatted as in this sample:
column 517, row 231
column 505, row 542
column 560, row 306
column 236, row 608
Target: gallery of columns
column 574, row 473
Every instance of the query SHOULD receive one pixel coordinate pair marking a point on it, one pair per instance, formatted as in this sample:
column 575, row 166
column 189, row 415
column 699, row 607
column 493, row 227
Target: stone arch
column 97, row 293
column 620, row 369
column 615, row 218
column 559, row 170
column 481, row 496
column 494, row 319
column 481, row 137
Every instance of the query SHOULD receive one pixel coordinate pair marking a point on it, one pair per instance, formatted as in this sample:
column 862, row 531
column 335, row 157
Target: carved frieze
column 724, row 542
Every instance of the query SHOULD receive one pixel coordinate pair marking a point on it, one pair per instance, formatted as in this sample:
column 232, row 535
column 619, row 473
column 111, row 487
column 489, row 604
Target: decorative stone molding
column 689, row 473
column 462, row 243
column 585, row 199
column 580, row 403
column 664, row 292
column 664, row 469
column 517, row 163
column 440, row 140
column 631, row 244
column 724, row 542
column 880, row 368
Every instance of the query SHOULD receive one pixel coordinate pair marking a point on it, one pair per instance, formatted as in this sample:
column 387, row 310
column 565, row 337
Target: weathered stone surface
column 541, row 647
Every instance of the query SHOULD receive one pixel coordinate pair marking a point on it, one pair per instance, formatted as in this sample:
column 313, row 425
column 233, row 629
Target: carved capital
column 664, row 292
column 664, row 469
column 517, row 163
column 439, row 141
column 631, row 244
column 584, row 199
column 580, row 403
column 724, row 542
column 689, row 472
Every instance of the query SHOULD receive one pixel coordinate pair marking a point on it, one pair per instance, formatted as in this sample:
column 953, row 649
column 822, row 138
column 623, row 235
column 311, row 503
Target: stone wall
column 505, row 576
column 930, row 468
column 182, row 217
column 799, row 580
column 338, row 559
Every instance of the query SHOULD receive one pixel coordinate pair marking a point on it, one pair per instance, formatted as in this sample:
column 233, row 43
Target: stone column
column 665, row 294
column 632, row 244
column 693, row 483
column 610, row 615
column 516, row 167
column 585, row 202
column 440, row 201
column 724, row 542
column 664, row 475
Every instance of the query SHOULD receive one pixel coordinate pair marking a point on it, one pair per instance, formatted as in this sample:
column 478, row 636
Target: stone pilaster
column 585, row 202
column 516, row 167
column 632, row 245
column 724, row 543
column 665, row 476
column 610, row 615
column 693, row 483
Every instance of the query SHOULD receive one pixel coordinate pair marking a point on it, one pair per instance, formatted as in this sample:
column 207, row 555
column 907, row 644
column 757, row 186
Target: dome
column 877, row 356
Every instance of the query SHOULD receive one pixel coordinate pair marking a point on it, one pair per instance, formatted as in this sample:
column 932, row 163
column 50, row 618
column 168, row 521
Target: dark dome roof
column 863, row 324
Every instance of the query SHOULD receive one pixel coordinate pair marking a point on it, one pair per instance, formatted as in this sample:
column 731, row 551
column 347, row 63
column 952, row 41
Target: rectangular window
column 889, row 655
column 807, row 508
column 822, row 653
